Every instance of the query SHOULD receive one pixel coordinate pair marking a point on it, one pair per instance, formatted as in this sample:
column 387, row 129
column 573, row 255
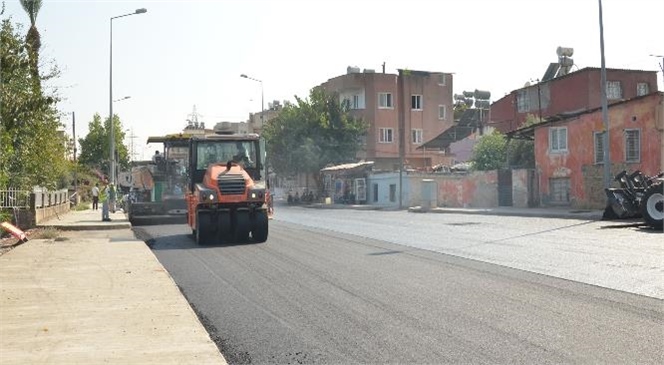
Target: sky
column 185, row 53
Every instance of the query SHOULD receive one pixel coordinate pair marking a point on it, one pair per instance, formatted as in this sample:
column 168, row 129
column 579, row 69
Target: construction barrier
column 15, row 231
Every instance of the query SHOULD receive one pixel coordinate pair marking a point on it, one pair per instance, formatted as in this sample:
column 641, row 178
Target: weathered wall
column 44, row 214
column 477, row 189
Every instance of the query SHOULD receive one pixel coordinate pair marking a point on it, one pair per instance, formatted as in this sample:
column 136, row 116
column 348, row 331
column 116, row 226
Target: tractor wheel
column 202, row 231
column 242, row 226
column 260, row 226
column 652, row 205
column 224, row 227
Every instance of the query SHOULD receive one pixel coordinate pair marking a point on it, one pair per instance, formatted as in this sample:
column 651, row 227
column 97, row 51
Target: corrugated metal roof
column 348, row 166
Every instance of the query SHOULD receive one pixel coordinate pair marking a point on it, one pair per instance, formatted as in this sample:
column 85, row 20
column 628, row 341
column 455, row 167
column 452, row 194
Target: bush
column 82, row 206
column 46, row 233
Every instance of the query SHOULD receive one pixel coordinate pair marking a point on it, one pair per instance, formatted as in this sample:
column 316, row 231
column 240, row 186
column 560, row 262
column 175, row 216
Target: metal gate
column 505, row 188
column 533, row 189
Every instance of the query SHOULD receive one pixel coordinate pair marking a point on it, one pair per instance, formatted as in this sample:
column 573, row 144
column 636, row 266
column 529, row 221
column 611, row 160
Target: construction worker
column 112, row 197
column 103, row 198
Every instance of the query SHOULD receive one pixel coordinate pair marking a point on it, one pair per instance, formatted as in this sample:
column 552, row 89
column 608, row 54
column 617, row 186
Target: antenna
column 192, row 121
column 132, row 152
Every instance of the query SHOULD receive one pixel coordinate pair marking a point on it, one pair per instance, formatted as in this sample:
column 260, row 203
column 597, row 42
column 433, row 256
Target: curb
column 539, row 214
column 332, row 206
column 91, row 227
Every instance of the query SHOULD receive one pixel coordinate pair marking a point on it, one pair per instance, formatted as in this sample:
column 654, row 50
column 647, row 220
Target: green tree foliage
column 32, row 150
column 313, row 133
column 490, row 153
column 33, row 38
column 95, row 145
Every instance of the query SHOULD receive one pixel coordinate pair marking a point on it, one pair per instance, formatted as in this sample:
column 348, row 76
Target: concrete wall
column 474, row 190
column 44, row 214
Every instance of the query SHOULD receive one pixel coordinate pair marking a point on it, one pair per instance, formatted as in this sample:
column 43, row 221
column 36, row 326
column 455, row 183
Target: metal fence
column 46, row 198
column 14, row 198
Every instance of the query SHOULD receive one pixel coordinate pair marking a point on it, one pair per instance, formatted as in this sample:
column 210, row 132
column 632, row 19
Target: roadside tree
column 312, row 133
column 95, row 145
column 32, row 151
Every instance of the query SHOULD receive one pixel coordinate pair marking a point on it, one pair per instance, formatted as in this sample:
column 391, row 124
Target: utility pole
column 605, row 108
column 402, row 122
column 73, row 127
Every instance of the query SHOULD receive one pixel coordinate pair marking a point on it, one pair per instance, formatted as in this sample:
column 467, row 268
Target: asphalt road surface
column 316, row 295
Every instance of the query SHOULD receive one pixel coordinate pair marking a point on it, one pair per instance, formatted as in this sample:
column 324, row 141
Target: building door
column 505, row 188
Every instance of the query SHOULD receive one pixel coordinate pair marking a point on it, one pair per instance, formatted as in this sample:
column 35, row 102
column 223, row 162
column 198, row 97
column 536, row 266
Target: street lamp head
column 141, row 11
column 244, row 76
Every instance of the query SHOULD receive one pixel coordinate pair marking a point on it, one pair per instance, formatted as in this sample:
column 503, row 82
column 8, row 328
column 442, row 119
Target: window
column 558, row 139
column 224, row 151
column 393, row 192
column 613, row 90
column 632, row 145
column 416, row 136
column 522, row 101
column 599, row 147
column 642, row 89
column 560, row 189
column 441, row 79
column 416, row 102
column 375, row 192
column 386, row 135
column 356, row 102
column 385, row 100
column 442, row 112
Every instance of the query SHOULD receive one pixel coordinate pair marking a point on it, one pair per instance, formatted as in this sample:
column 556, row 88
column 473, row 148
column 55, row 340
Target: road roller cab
column 227, row 194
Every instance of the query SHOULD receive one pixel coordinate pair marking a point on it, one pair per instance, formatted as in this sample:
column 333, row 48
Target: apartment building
column 374, row 97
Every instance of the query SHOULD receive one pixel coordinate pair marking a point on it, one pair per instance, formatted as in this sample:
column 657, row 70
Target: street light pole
column 262, row 98
column 605, row 108
column 111, row 169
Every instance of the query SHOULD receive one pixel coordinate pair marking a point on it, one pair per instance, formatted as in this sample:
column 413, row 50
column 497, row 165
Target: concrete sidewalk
column 565, row 213
column 95, row 297
column 85, row 220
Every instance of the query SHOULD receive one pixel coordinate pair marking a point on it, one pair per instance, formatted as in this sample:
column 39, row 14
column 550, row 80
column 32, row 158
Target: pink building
column 374, row 97
column 569, row 156
column 573, row 92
